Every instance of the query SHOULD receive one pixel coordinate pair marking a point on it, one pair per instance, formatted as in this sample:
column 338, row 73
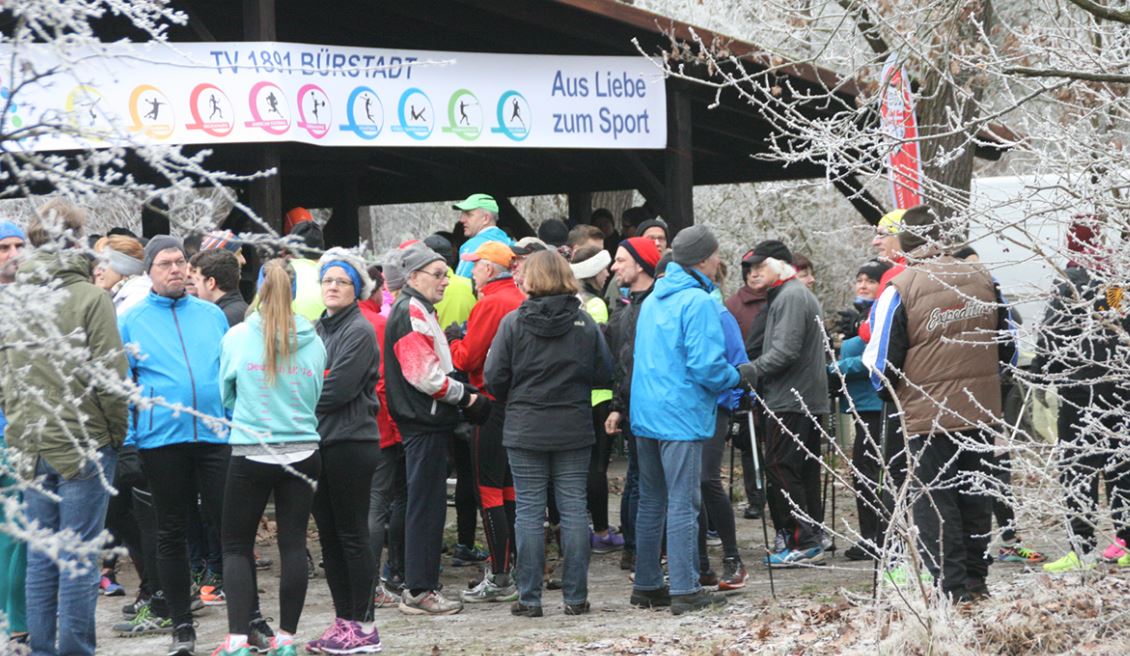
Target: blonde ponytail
column 280, row 336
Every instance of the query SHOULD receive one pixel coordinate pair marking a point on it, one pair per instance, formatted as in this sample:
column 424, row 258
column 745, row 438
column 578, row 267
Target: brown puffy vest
column 952, row 379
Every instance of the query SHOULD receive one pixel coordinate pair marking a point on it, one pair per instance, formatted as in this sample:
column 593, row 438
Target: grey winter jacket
column 791, row 373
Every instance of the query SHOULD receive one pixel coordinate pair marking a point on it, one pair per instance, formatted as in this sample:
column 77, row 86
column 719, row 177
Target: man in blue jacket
column 479, row 215
column 680, row 368
column 176, row 364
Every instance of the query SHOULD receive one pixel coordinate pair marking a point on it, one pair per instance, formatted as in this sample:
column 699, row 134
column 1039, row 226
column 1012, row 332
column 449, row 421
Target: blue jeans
column 669, row 488
column 65, row 600
column 532, row 472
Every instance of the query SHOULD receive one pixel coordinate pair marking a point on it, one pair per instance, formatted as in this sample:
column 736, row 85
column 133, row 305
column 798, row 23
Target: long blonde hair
column 280, row 336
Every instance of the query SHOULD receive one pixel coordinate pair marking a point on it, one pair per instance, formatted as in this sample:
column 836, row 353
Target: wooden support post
column 678, row 162
column 264, row 195
column 344, row 228
column 580, row 207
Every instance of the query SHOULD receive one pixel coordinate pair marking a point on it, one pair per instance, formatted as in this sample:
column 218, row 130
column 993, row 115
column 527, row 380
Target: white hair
column 783, row 269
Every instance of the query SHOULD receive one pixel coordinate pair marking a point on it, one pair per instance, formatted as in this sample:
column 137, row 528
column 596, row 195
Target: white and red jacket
column 422, row 395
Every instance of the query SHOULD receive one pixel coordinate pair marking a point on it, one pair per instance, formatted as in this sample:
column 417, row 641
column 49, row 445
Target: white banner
column 204, row 93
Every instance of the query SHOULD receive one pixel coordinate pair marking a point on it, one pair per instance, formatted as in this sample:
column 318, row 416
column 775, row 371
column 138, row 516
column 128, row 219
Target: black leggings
column 496, row 489
column 598, row 468
column 177, row 474
column 865, row 478
column 466, row 498
column 717, row 508
column 341, row 510
column 252, row 483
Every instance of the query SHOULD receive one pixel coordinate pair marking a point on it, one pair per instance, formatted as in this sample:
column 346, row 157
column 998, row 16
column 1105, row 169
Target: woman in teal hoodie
column 271, row 378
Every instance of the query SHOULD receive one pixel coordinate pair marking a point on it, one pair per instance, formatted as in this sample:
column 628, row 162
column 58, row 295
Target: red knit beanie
column 644, row 252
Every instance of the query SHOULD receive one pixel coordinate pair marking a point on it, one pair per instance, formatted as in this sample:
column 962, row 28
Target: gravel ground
column 613, row 625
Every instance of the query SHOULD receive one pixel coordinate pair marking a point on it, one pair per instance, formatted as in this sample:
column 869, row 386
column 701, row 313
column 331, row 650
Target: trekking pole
column 731, row 490
column 757, row 475
column 834, row 448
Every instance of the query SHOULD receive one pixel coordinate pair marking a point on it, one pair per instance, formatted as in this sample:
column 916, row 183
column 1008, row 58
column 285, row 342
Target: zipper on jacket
column 191, row 380
column 152, row 410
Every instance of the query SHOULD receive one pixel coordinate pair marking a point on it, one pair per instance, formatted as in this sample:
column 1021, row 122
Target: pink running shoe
column 315, row 646
column 352, row 639
column 1116, row 550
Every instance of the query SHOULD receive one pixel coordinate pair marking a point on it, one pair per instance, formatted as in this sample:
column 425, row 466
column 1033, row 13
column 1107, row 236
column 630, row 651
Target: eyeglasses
column 336, row 282
column 171, row 264
column 436, row 274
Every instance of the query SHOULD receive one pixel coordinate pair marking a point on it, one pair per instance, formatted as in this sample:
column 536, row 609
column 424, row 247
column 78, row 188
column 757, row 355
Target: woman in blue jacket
column 271, row 378
column 862, row 403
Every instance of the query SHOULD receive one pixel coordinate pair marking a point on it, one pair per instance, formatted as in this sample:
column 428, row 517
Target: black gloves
column 454, row 331
column 848, row 321
column 478, row 412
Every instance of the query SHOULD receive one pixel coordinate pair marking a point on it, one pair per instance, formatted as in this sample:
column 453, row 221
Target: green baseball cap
column 477, row 202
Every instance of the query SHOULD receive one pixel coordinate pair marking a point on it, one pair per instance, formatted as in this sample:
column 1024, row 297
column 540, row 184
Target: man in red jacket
column 498, row 296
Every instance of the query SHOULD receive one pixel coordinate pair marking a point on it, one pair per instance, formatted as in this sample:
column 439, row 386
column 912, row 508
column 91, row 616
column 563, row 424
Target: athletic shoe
column 901, row 575
column 733, row 575
column 1116, row 550
column 1069, row 563
column 827, row 541
column 260, row 635
column 578, row 609
column 315, row 646
column 213, row 595
column 696, row 601
column 144, row 623
column 521, row 610
column 489, row 590
column 708, row 579
column 384, row 598
column 184, row 641
column 856, row 552
column 221, row 651
column 796, row 557
column 780, row 541
column 352, row 639
column 429, row 603
column 660, row 598
column 627, row 560
column 131, row 610
column 752, row 513
column 1014, row 553
column 462, row 555
column 713, row 539
column 109, row 586
column 262, row 562
column 613, row 541
column 289, row 649
column 195, row 604
column 1123, row 561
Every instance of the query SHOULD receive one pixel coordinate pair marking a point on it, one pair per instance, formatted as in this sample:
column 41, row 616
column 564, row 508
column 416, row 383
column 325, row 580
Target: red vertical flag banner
column 904, row 167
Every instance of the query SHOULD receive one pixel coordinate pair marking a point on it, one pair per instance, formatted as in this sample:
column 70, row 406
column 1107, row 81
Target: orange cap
column 492, row 251
column 294, row 217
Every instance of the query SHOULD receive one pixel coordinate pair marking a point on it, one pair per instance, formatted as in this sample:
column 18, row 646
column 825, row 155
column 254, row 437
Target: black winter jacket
column 621, row 334
column 544, row 362
column 347, row 409
column 1075, row 351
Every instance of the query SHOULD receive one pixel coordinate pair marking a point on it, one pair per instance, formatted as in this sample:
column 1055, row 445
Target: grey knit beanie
column 693, row 245
column 158, row 244
column 392, row 268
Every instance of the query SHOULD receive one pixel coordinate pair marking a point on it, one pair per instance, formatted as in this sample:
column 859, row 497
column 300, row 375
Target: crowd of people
column 350, row 392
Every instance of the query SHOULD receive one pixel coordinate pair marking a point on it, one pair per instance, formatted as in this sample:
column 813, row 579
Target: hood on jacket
column 550, row 316
column 678, row 279
column 304, row 330
column 68, row 267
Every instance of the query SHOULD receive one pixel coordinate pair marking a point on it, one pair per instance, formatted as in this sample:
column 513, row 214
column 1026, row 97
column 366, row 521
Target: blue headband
column 293, row 284
column 9, row 229
column 353, row 275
